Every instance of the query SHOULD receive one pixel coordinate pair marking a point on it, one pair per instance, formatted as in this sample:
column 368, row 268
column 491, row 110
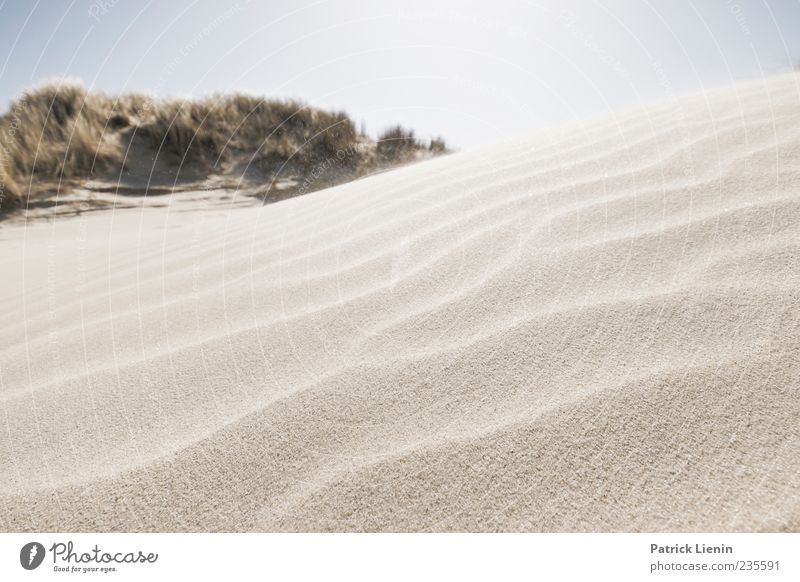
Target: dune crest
column 594, row 329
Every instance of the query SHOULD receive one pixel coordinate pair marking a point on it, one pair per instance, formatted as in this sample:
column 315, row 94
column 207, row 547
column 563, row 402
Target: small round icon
column 31, row 555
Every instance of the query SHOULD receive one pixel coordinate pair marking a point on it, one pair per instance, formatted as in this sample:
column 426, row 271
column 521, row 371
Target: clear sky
column 473, row 72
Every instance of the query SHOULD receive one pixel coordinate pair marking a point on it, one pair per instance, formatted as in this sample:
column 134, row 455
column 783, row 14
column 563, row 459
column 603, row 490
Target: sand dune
column 596, row 328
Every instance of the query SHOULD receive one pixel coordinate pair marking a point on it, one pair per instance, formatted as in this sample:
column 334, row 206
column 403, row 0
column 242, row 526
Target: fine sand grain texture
column 594, row 329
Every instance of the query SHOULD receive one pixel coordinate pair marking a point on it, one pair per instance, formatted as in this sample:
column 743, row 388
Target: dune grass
column 56, row 131
column 207, row 130
column 398, row 143
column 63, row 132
column 9, row 191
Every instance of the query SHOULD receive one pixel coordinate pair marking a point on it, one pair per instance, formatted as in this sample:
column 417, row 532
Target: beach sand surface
column 595, row 328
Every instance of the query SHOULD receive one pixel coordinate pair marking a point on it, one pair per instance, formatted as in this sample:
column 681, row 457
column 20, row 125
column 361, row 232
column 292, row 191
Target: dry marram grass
column 61, row 132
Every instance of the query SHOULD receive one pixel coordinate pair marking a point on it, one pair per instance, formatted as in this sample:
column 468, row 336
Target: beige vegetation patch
column 58, row 139
column 9, row 193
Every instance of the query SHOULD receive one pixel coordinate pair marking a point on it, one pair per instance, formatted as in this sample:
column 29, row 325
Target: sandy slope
column 594, row 329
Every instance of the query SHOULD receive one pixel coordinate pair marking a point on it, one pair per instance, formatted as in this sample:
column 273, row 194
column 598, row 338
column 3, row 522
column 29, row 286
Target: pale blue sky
column 474, row 72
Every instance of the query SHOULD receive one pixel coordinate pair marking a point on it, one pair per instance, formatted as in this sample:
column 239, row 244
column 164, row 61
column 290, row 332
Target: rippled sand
column 596, row 329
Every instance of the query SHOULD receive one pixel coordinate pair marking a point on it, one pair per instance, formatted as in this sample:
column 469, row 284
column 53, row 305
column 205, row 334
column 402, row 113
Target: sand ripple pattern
column 594, row 329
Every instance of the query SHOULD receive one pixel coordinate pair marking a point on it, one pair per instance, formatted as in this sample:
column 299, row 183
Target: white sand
column 593, row 329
